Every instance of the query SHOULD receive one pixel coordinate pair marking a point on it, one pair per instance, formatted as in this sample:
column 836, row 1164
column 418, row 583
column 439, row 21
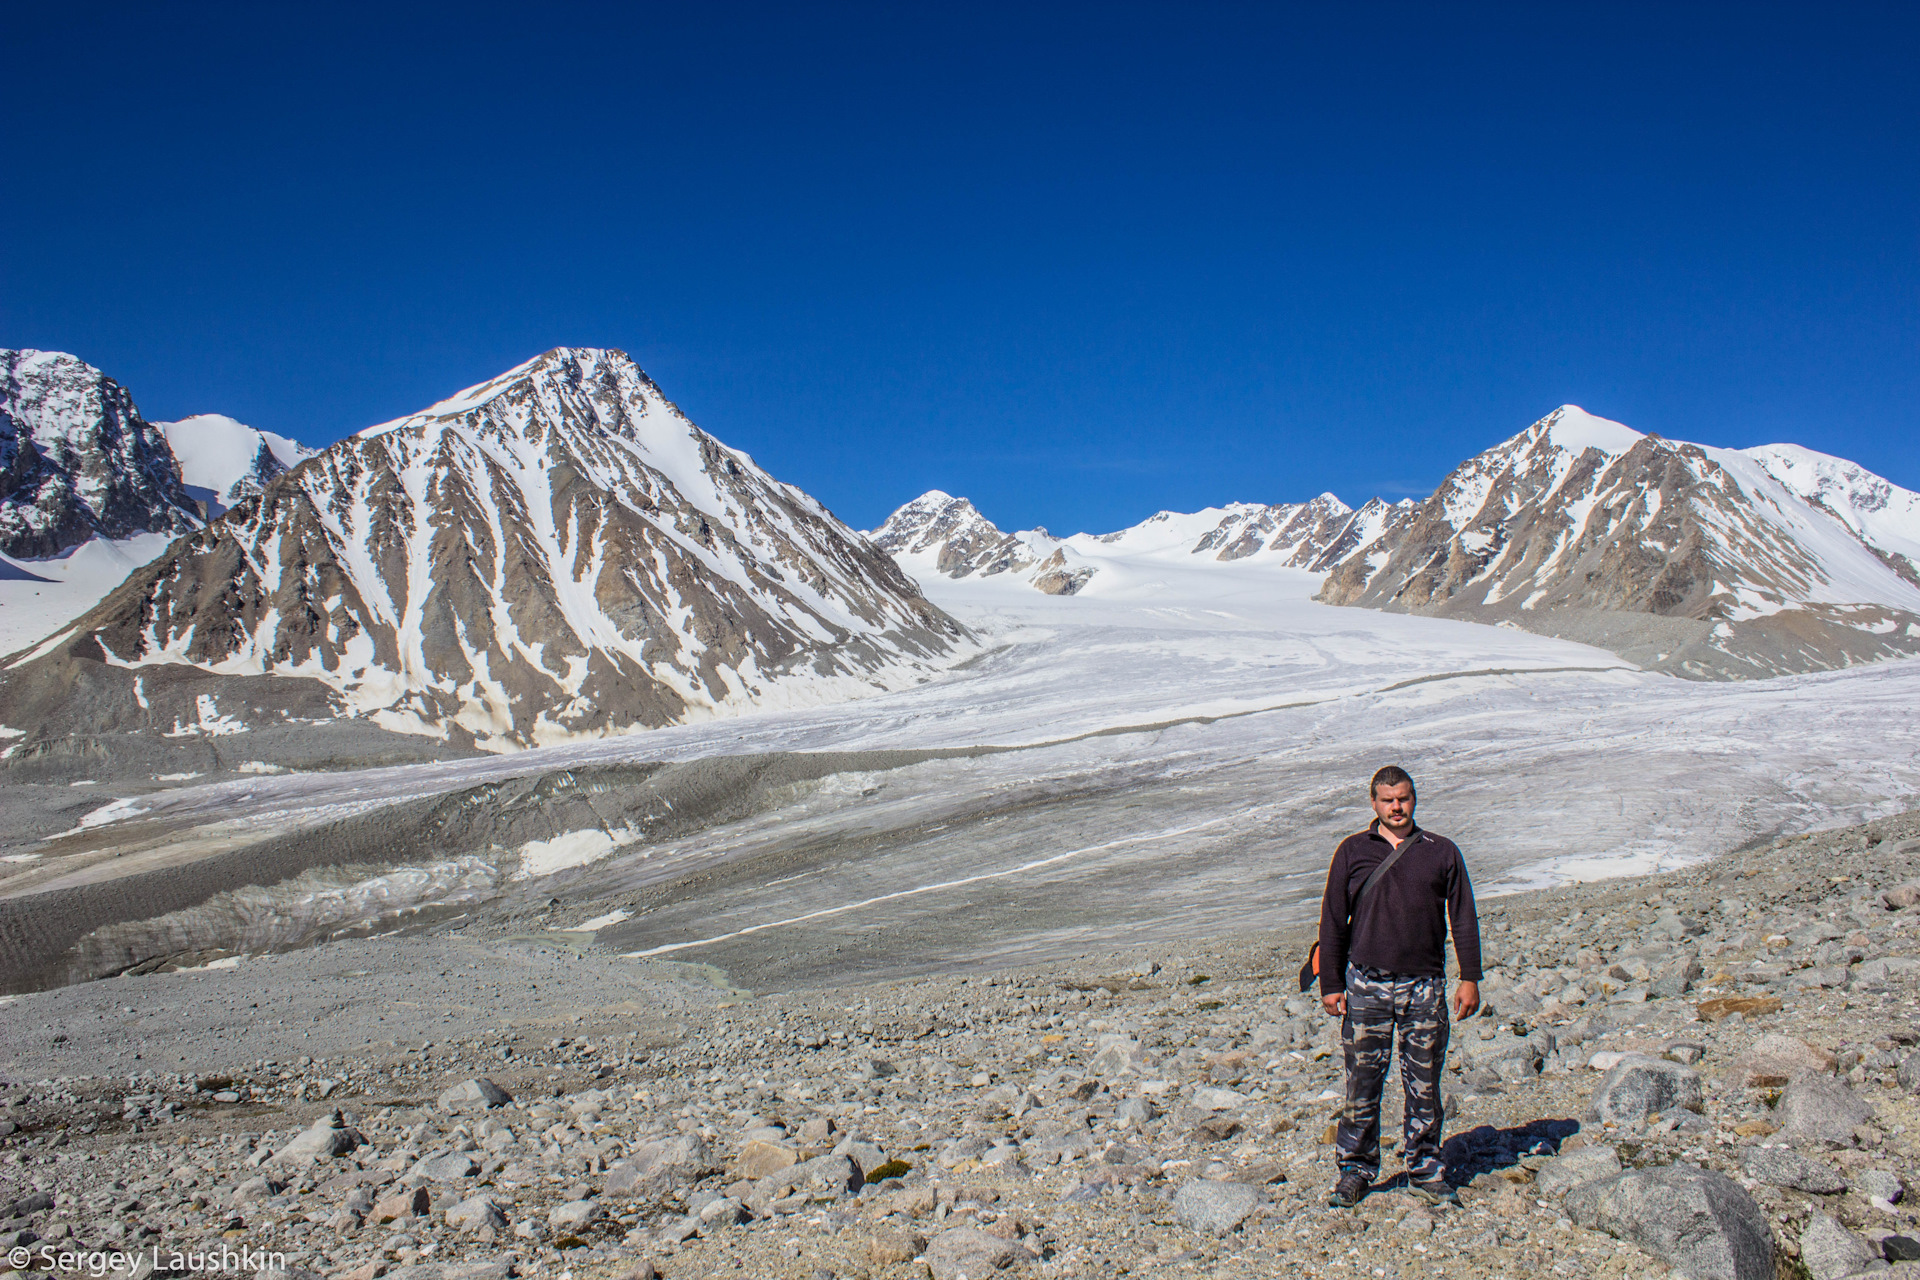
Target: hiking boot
column 1350, row 1190
column 1437, row 1192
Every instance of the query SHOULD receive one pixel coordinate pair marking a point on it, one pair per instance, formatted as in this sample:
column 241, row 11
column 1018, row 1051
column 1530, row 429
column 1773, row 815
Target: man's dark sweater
column 1402, row 926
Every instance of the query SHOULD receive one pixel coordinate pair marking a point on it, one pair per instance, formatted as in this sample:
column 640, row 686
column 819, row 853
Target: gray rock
column 1134, row 1113
column 1701, row 1223
column 1208, row 1098
column 1830, row 1251
column 1576, row 1168
column 1886, row 969
column 1779, row 1167
column 1674, row 978
column 496, row 1269
column 574, row 1214
column 476, row 1211
column 448, row 1168
column 1910, row 1072
column 864, row 1154
column 1816, row 1109
column 1217, row 1207
column 474, row 1095
column 1883, row 1184
column 1117, row 1056
column 684, row 1157
column 1820, row 976
column 969, row 1253
column 1639, row 1086
column 328, row 1137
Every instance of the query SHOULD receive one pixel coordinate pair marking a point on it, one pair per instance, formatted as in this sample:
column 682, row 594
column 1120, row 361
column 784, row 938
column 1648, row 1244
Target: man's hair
column 1391, row 776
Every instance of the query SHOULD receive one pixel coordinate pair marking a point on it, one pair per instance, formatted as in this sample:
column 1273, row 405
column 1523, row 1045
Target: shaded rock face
column 556, row 554
column 77, row 461
column 1578, row 515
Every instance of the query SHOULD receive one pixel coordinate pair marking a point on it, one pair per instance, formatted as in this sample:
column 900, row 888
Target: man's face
column 1394, row 804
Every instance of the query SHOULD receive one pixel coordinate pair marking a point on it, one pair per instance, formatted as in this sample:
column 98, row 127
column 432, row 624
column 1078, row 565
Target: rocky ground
column 1708, row 1073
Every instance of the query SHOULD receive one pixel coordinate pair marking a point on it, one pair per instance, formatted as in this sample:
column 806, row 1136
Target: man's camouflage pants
column 1377, row 1005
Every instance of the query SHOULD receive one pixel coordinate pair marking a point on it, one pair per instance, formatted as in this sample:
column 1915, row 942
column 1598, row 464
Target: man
column 1383, row 967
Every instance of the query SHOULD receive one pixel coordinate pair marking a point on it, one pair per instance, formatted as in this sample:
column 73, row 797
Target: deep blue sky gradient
column 1078, row 262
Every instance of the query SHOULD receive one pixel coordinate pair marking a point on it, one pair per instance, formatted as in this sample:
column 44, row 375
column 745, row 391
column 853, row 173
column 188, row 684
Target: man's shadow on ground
column 1486, row 1149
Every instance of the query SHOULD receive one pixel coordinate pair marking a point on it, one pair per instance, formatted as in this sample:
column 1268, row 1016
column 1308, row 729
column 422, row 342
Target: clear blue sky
column 1078, row 262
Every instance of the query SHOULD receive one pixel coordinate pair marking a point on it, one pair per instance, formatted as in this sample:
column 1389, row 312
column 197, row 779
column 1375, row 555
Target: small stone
column 1217, row 1207
column 1208, row 1098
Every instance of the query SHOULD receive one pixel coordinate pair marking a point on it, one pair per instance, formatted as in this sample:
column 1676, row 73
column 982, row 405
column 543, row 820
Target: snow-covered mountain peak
column 1574, row 429
column 224, row 461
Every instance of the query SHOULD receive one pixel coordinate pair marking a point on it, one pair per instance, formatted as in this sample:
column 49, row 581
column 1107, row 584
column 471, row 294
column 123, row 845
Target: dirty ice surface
column 1191, row 746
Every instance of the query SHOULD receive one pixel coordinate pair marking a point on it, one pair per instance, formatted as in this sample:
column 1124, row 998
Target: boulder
column 1886, row 969
column 759, row 1160
column 328, row 1137
column 574, row 1214
column 1780, row 1167
column 1116, row 1056
column 1639, row 1086
column 1830, row 1251
column 448, row 1168
column 1816, row 1109
column 1774, row 1059
column 475, row 1212
column 479, row 1094
column 864, row 1154
column 1216, row 1207
column 683, row 1157
column 1701, row 1223
column 1576, row 1168
column 970, row 1253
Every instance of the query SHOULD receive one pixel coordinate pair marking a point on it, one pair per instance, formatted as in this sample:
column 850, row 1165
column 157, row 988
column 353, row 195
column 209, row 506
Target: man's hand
column 1466, row 1001
column 1336, row 1004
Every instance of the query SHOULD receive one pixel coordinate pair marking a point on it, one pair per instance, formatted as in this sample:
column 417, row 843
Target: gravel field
column 1705, row 1073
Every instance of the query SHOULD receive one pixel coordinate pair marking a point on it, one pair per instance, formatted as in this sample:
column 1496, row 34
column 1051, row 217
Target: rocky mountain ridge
column 556, row 553
column 78, row 462
column 942, row 534
column 1697, row 560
